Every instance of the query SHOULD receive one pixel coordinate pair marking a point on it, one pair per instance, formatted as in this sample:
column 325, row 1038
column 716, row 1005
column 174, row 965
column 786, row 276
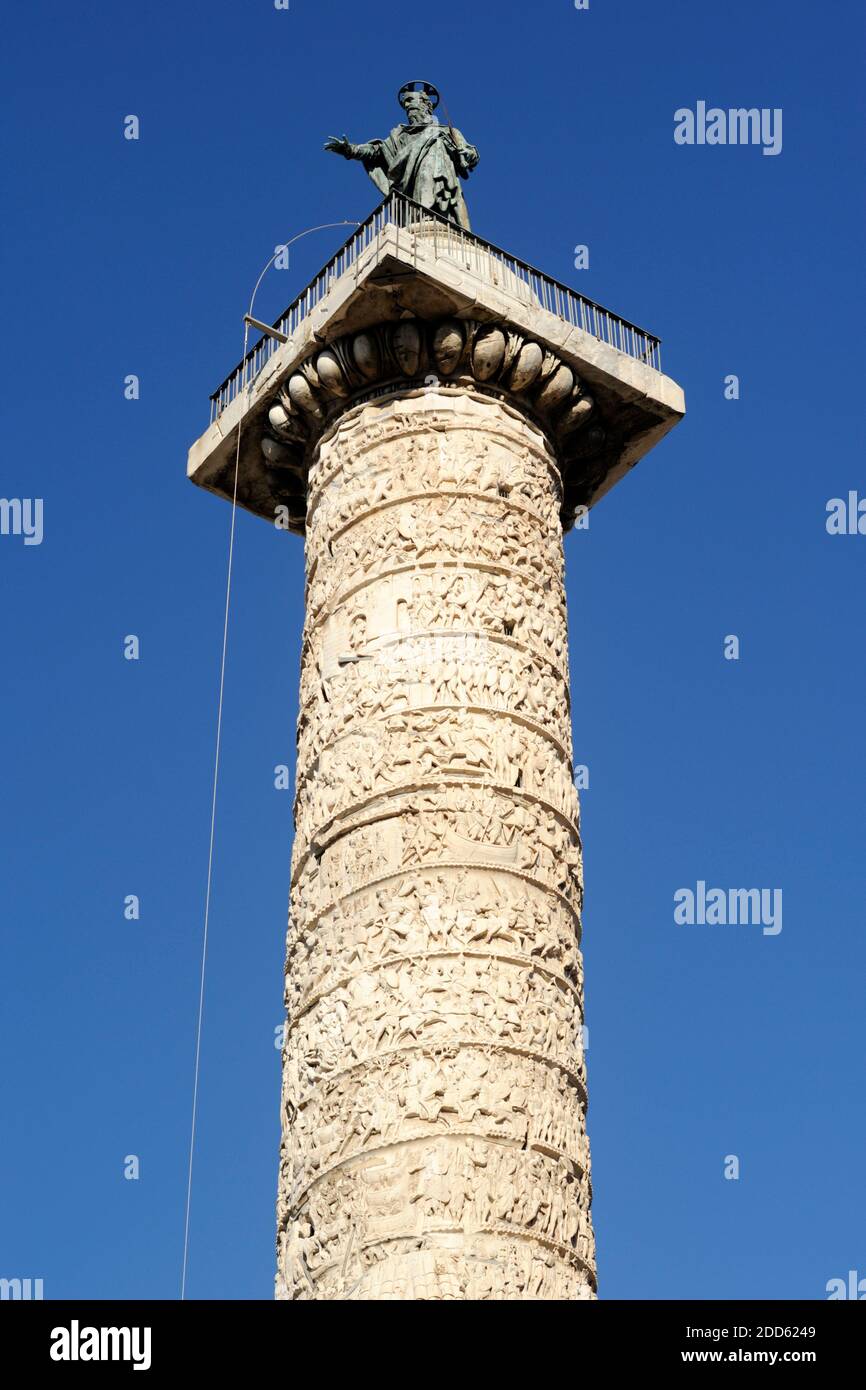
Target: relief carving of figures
column 420, row 672
column 440, row 1186
column 434, row 1079
column 455, row 909
column 521, row 1098
column 415, row 748
column 365, row 465
column 440, row 1001
column 436, row 528
column 452, row 599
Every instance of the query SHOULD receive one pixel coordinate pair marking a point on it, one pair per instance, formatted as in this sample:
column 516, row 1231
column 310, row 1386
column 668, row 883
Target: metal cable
column 247, row 387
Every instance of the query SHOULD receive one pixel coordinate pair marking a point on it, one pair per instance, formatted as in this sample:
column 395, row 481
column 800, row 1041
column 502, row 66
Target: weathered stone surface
column 430, row 431
column 434, row 1098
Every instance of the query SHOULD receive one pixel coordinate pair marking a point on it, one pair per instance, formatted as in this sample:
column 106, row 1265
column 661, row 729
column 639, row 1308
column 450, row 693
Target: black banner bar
column 159, row 1338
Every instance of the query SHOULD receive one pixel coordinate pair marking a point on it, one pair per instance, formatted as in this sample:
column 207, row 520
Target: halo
column 417, row 85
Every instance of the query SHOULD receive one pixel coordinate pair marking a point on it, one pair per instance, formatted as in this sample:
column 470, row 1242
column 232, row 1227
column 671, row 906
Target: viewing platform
column 406, row 263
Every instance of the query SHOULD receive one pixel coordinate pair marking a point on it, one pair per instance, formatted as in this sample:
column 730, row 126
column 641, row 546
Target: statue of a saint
column 420, row 158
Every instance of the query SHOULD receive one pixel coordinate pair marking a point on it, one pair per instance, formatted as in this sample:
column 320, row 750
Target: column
column 434, row 1090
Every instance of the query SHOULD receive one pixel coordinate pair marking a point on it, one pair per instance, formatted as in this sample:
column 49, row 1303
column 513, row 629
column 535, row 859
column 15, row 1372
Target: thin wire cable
column 245, row 390
column 211, row 847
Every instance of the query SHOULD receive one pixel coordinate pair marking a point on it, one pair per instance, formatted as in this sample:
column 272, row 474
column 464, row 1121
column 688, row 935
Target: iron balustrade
column 478, row 255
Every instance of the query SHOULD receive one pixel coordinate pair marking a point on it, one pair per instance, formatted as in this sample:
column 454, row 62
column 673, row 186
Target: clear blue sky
column 138, row 257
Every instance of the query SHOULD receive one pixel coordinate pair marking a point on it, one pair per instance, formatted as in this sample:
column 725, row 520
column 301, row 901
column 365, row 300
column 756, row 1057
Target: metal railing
column 482, row 257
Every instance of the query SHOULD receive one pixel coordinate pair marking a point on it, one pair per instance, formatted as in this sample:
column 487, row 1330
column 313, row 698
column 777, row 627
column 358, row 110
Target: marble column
column 437, row 415
column 434, row 1098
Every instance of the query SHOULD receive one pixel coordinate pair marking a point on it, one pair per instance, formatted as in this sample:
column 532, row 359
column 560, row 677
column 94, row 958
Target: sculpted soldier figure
column 420, row 158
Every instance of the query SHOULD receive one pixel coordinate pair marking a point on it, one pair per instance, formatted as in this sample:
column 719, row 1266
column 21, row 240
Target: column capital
column 432, row 306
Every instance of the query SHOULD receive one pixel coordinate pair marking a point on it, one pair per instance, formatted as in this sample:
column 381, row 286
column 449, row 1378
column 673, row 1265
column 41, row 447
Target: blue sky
column 138, row 257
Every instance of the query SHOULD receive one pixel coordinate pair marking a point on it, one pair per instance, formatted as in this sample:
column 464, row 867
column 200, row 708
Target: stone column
column 434, row 1096
column 437, row 414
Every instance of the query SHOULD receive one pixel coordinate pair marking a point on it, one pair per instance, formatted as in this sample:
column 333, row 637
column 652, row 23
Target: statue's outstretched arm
column 369, row 151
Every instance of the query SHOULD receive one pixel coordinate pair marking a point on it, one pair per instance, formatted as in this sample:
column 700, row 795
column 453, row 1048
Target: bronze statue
column 420, row 158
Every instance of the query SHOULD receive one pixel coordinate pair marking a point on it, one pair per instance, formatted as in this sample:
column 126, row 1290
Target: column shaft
column 434, row 1099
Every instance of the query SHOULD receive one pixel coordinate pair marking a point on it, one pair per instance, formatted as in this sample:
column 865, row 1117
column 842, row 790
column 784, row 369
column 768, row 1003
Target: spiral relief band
column 434, row 1088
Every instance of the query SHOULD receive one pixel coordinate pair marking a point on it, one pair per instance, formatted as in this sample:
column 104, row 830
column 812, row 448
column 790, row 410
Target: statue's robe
column 416, row 160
